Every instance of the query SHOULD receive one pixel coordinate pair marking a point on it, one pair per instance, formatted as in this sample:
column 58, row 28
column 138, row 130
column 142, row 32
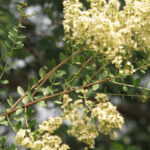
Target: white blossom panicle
column 104, row 28
column 108, row 117
column 82, row 113
column 44, row 140
column 20, row 136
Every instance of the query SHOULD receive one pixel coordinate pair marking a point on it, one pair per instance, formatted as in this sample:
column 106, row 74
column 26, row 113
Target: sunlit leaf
column 95, row 87
column 4, row 81
column 20, row 90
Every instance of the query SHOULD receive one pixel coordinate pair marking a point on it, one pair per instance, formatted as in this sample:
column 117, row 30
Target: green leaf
column 9, row 53
column 2, row 118
column 116, row 146
column 18, row 125
column 18, row 118
column 58, row 102
column 89, row 93
column 18, row 46
column 3, row 57
column 7, row 44
column 61, row 56
column 20, row 110
column 41, row 72
column 60, row 73
column 13, row 34
column 136, row 81
column 29, row 112
column 125, row 88
column 20, row 90
column 29, row 93
column 34, row 80
column 11, row 38
column 1, row 68
column 88, row 78
column 36, row 131
column 21, row 26
column 57, row 83
column 4, row 81
column 3, row 91
column 25, row 100
column 144, row 98
column 15, row 29
column 143, row 71
column 42, row 104
column 32, row 123
column 2, row 140
column 10, row 102
column 78, row 90
column 18, row 42
column 12, row 147
column 21, row 36
column 105, row 89
column 4, row 122
column 51, row 90
column 95, row 87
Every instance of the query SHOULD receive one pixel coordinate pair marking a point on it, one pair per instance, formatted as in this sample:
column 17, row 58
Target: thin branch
column 55, row 95
column 6, row 64
column 82, row 67
column 129, row 85
column 98, row 71
column 128, row 95
column 44, row 79
column 53, row 70
column 26, row 117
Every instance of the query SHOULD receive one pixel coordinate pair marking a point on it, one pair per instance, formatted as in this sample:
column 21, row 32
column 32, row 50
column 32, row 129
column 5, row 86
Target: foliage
column 104, row 49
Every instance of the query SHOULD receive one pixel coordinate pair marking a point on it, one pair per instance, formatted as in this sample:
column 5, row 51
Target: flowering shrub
column 86, row 120
column 113, row 36
column 42, row 139
column 116, row 34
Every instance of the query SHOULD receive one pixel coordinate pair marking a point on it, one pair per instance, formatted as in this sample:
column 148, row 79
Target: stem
column 129, row 85
column 45, row 78
column 129, row 95
column 10, row 123
column 13, row 46
column 26, row 117
column 83, row 66
column 98, row 71
column 56, row 95
column 53, row 70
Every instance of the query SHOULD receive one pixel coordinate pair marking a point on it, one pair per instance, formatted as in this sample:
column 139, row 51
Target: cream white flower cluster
column 108, row 117
column 87, row 118
column 44, row 140
column 113, row 33
column 81, row 127
column 82, row 113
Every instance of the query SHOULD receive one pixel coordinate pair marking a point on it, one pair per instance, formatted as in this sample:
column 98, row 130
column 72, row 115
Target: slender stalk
column 26, row 117
column 55, row 95
column 46, row 77
column 100, row 69
column 10, row 123
column 53, row 70
column 80, row 70
column 129, row 85
column 12, row 49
